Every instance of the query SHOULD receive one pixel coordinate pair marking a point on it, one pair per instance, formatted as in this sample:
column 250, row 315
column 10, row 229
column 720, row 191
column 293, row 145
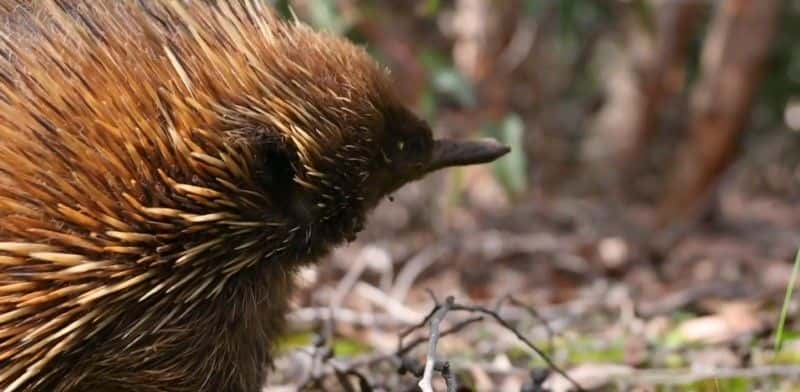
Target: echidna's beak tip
column 450, row 152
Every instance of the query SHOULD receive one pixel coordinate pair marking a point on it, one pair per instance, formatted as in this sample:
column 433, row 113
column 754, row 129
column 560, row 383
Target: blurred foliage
column 782, row 77
column 447, row 84
column 566, row 72
column 512, row 171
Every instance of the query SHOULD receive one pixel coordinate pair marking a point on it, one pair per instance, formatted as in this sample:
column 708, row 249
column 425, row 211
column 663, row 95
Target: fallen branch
column 435, row 322
column 523, row 339
column 437, row 314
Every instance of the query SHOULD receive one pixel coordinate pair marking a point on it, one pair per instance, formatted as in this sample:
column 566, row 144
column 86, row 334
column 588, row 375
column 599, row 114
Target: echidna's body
column 164, row 168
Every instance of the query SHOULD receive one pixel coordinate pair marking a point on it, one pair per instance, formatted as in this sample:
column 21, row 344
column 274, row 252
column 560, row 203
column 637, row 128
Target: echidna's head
column 339, row 140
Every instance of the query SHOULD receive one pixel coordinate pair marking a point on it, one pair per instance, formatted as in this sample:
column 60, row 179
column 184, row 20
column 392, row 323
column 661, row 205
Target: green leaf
column 779, row 335
column 512, row 169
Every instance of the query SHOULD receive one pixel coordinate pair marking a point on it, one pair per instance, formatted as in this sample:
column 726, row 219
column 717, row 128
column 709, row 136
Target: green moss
column 715, row 385
column 294, row 341
column 613, row 353
column 674, row 361
column 790, row 355
column 344, row 347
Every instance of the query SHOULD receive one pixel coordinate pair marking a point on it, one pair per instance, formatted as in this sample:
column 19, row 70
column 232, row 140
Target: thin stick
column 430, row 361
column 786, row 300
column 531, row 311
column 509, row 327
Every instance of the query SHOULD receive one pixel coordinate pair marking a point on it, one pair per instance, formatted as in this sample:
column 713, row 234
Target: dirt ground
column 614, row 305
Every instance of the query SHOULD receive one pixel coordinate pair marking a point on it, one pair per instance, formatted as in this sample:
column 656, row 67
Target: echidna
column 165, row 168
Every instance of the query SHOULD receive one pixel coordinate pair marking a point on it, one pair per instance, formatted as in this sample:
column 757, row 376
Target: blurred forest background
column 641, row 233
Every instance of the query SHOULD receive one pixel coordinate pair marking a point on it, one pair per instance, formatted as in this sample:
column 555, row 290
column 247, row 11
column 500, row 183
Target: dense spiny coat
column 146, row 161
column 165, row 167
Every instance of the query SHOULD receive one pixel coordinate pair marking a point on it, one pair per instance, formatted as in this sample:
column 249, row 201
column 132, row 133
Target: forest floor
column 582, row 281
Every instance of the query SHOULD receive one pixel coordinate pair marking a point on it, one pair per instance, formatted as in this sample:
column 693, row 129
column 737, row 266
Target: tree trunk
column 663, row 75
column 733, row 54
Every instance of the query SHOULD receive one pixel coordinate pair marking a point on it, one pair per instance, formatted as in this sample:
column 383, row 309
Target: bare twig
column 510, row 328
column 456, row 328
column 417, row 326
column 531, row 311
column 435, row 317
column 435, row 322
column 449, row 378
column 329, row 366
column 363, row 384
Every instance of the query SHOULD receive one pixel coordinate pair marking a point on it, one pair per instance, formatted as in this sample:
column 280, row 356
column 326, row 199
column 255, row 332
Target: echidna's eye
column 276, row 173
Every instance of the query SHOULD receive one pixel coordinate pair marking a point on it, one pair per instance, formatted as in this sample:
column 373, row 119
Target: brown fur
column 165, row 167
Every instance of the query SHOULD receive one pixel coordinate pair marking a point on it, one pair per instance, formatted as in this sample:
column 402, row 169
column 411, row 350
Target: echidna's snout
column 451, row 152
